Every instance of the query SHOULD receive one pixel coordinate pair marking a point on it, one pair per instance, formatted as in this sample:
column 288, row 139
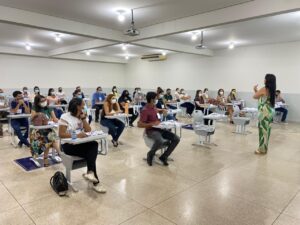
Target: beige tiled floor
column 224, row 185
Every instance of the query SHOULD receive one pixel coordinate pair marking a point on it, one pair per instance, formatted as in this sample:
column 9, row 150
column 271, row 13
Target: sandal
column 257, row 152
column 46, row 162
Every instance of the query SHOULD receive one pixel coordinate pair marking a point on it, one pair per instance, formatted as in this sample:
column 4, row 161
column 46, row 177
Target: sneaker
column 115, row 143
column 57, row 159
column 90, row 177
column 20, row 144
column 97, row 188
column 164, row 161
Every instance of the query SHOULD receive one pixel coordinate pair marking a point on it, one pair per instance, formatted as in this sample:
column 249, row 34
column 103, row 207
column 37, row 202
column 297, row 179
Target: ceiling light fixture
column 121, row 15
column 57, row 37
column 124, row 47
column 231, row 45
column 164, row 53
column 127, row 57
column 194, row 36
column 28, row 47
column 88, row 53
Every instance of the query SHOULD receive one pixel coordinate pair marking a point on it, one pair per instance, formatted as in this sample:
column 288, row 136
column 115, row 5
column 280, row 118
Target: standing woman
column 266, row 102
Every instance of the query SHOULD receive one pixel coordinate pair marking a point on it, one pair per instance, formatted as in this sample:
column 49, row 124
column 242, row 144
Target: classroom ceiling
column 166, row 26
column 103, row 12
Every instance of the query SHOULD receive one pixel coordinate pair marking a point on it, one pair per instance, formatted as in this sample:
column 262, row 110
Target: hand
column 165, row 112
column 81, row 135
column 21, row 102
column 255, row 88
column 82, row 116
column 155, row 123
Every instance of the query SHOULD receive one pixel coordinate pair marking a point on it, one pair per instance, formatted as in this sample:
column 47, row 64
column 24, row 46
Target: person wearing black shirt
column 125, row 98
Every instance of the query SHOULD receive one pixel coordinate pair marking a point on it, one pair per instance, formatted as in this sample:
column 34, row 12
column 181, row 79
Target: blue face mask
column 2, row 95
column 79, row 96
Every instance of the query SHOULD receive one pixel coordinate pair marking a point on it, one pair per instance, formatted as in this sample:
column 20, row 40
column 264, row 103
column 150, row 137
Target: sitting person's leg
column 174, row 140
column 1, row 130
column 133, row 117
column 16, row 125
column 112, row 130
column 89, row 152
column 284, row 112
column 156, row 136
column 97, row 107
column 120, row 127
column 190, row 108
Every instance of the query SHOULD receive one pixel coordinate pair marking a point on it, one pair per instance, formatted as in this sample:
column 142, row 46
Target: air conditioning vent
column 154, row 57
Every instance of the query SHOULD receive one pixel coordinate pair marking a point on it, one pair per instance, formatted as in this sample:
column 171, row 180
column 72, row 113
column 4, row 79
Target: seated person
column 199, row 100
column 280, row 108
column 43, row 140
column 27, row 96
column 139, row 97
column 123, row 100
column 222, row 104
column 3, row 114
column 148, row 119
column 52, row 99
column 75, row 120
column 188, row 105
column 115, row 92
column 36, row 91
column 78, row 94
column 205, row 95
column 97, row 102
column 115, row 126
column 162, row 107
column 78, row 88
column 19, row 106
column 177, row 94
column 61, row 96
column 169, row 99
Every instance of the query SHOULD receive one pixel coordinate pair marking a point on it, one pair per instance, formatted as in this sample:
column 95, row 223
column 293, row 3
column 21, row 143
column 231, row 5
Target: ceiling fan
column 132, row 31
column 201, row 45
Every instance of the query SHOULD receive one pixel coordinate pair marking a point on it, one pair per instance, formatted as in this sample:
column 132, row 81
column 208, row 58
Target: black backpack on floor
column 59, row 183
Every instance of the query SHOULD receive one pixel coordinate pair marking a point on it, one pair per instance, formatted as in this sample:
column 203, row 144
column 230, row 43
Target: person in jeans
column 115, row 126
column 19, row 106
column 148, row 119
column 76, row 120
column 280, row 108
column 3, row 114
column 97, row 99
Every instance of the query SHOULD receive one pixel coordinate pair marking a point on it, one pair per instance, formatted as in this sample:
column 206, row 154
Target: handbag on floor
column 59, row 183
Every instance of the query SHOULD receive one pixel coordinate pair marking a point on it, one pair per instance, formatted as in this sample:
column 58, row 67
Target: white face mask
column 221, row 93
column 43, row 104
column 139, row 91
column 53, row 93
column 113, row 101
column 36, row 91
column 200, row 94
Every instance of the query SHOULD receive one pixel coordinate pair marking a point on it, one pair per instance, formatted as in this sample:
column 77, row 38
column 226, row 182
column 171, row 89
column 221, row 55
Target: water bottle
column 73, row 134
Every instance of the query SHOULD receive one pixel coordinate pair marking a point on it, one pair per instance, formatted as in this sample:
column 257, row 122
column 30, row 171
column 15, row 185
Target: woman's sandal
column 46, row 162
column 257, row 152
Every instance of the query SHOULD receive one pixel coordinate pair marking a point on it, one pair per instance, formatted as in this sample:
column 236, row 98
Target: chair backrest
column 198, row 117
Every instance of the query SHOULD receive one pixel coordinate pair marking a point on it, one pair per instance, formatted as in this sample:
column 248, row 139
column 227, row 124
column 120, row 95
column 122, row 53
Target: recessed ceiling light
column 231, row 45
column 57, row 37
column 28, row 47
column 124, row 47
column 88, row 53
column 127, row 57
column 164, row 53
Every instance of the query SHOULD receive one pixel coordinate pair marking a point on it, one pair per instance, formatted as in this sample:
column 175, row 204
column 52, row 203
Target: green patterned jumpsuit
column 265, row 118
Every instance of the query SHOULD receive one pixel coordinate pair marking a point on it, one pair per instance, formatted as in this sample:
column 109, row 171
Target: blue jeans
column 284, row 113
column 16, row 124
column 115, row 127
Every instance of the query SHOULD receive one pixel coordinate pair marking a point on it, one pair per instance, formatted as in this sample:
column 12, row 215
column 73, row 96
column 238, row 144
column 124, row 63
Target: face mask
column 221, row 93
column 2, row 95
column 200, row 95
column 139, row 91
column 59, row 90
column 36, row 91
column 114, row 90
column 79, row 96
column 52, row 93
column 43, row 104
column 126, row 94
column 113, row 101
column 25, row 90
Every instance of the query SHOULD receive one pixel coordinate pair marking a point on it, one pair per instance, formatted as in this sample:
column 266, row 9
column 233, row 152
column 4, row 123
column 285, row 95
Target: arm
column 106, row 110
column 259, row 93
column 147, row 125
column 53, row 117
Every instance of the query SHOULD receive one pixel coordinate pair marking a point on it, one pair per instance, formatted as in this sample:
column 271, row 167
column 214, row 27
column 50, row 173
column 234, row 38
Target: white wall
column 240, row 68
column 19, row 71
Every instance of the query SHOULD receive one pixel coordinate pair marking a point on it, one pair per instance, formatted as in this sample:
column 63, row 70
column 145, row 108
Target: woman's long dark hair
column 49, row 91
column 37, row 101
column 73, row 106
column 270, row 85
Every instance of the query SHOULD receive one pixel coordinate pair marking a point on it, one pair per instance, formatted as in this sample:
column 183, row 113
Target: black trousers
column 133, row 117
column 189, row 107
column 157, row 135
column 88, row 151
column 98, row 108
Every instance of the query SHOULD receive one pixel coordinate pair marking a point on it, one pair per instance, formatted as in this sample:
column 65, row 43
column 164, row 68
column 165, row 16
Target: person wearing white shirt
column 76, row 120
column 61, row 96
column 279, row 100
